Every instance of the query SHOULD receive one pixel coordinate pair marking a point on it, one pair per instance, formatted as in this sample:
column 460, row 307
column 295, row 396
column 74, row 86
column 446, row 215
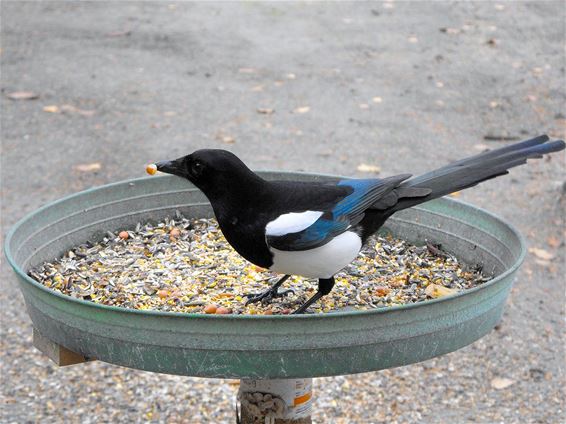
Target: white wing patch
column 292, row 222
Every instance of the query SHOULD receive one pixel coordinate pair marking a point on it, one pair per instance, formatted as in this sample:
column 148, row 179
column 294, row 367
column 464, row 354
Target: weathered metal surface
column 258, row 346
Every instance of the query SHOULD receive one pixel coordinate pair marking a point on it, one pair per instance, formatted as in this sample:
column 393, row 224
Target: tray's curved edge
column 30, row 280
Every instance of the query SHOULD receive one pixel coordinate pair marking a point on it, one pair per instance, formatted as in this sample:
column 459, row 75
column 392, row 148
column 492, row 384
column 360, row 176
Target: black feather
column 469, row 172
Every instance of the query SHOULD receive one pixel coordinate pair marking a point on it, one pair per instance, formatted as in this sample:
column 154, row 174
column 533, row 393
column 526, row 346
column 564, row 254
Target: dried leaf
column 88, row 167
column 302, row 109
column 543, row 263
column 265, row 111
column 553, row 241
column 450, row 30
column 541, row 253
column 436, row 290
column 228, row 139
column 23, row 95
column 51, row 109
column 325, row 153
column 125, row 33
column 75, row 110
column 481, row 146
column 86, row 112
column 499, row 383
column 500, row 137
column 364, row 167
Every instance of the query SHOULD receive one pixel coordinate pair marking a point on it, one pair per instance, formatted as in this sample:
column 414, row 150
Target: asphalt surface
column 404, row 86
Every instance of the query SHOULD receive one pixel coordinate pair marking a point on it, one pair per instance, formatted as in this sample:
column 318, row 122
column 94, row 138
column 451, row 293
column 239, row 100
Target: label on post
column 296, row 395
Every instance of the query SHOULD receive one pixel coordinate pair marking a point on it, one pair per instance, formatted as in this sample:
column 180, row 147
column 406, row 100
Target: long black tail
column 471, row 171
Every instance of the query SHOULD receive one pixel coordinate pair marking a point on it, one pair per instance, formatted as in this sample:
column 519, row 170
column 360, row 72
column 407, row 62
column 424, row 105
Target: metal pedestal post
column 286, row 401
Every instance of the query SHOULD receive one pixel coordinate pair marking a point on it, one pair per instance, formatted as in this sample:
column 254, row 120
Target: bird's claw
column 265, row 296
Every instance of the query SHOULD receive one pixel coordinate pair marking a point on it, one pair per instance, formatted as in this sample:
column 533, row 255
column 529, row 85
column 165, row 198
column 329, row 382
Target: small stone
column 124, row 235
column 162, row 294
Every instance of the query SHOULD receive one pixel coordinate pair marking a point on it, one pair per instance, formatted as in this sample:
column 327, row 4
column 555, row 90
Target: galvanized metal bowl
column 242, row 346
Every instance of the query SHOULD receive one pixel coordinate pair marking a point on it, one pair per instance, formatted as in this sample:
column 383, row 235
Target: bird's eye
column 196, row 168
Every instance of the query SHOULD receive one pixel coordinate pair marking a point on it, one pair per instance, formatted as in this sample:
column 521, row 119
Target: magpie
column 314, row 229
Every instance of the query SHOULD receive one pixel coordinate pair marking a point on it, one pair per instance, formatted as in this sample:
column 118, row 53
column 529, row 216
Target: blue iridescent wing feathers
column 345, row 214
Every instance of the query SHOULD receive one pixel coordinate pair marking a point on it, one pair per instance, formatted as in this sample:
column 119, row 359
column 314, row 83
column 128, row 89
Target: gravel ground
column 399, row 86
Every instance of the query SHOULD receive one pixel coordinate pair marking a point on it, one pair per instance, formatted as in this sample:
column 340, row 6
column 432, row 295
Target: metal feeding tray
column 259, row 346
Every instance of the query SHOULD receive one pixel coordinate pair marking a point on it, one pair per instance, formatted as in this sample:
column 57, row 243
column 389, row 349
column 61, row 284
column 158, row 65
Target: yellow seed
column 151, row 169
column 436, row 290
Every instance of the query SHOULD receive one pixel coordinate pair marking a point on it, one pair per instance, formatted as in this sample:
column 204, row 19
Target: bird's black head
column 214, row 171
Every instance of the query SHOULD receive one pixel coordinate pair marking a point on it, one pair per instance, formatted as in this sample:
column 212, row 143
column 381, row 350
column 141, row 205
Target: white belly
column 320, row 262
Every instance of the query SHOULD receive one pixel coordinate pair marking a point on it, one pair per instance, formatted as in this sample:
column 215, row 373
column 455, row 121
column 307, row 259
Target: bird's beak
column 174, row 167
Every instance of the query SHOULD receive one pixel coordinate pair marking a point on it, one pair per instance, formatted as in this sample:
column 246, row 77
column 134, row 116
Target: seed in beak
column 151, row 169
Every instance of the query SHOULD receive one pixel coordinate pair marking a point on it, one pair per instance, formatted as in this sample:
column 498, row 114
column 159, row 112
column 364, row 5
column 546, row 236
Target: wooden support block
column 57, row 353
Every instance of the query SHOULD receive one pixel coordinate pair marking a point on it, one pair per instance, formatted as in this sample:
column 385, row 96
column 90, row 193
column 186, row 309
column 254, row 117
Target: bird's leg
column 270, row 293
column 324, row 287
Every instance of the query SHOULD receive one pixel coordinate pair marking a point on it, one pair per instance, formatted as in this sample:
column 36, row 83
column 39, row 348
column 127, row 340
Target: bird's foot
column 266, row 296
column 302, row 309
column 324, row 287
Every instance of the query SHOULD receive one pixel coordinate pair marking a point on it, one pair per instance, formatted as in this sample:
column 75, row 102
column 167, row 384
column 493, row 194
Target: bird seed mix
column 186, row 265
